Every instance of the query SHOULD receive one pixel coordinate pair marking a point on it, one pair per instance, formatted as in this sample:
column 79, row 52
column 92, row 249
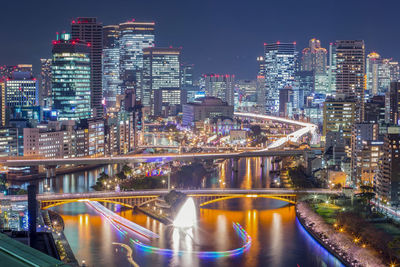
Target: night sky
column 221, row 36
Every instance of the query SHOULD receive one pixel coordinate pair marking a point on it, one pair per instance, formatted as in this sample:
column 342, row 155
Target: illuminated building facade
column 161, row 69
column 221, row 86
column 168, row 101
column 71, row 89
column 45, row 82
column 379, row 74
column 111, row 65
column 9, row 141
column 339, row 115
column 261, row 84
column 280, row 67
column 187, row 75
column 350, row 70
column 388, row 178
column 134, row 37
column 91, row 32
column 314, row 57
column 207, row 108
column 21, row 90
column 365, row 151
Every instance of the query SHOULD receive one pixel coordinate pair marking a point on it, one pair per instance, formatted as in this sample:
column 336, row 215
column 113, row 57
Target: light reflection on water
column 277, row 238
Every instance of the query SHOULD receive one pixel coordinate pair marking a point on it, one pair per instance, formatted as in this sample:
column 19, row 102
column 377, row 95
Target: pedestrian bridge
column 202, row 197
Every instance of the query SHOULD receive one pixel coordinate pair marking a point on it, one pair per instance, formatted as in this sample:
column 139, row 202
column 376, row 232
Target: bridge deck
column 153, row 193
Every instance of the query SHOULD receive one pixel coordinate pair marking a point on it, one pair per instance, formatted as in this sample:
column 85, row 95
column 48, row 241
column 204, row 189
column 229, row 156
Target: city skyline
column 233, row 48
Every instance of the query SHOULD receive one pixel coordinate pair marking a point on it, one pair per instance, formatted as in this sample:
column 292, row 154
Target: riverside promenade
column 337, row 243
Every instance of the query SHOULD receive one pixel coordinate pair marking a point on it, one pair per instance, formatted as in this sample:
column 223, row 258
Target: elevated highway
column 153, row 157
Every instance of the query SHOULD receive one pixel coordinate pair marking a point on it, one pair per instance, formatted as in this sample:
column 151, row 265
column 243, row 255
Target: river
column 277, row 238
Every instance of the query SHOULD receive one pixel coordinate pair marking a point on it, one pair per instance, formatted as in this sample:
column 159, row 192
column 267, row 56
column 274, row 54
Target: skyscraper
column 314, row 57
column 392, row 102
column 134, row 37
column 221, row 86
column 45, row 82
column 388, row 178
column 187, row 75
column 350, row 71
column 339, row 115
column 161, row 69
column 71, row 78
column 21, row 90
column 111, row 65
column 91, row 31
column 261, row 84
column 378, row 73
column 280, row 66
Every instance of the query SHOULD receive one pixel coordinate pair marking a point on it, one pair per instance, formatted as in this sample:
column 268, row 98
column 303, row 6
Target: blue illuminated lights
column 202, row 254
column 121, row 224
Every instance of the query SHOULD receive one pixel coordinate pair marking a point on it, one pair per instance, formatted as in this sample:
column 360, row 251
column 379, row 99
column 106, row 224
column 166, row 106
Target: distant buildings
column 134, row 36
column 314, row 57
column 21, row 90
column 187, row 75
column 111, row 65
column 71, row 91
column 168, row 101
column 365, row 152
column 220, row 86
column 280, row 67
column 388, row 178
column 350, row 71
column 161, row 69
column 90, row 31
column 392, row 100
column 339, row 115
column 208, row 108
column 261, row 93
column 45, row 82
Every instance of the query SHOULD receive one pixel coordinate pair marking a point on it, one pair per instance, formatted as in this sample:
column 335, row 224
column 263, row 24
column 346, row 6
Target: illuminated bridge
column 201, row 197
column 154, row 157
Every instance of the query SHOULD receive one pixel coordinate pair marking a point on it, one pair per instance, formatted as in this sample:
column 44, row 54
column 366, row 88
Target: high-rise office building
column 394, row 71
column 220, row 86
column 285, row 101
column 45, row 82
column 392, row 102
column 280, row 66
column 388, row 178
column 169, row 101
column 21, row 90
column 134, row 37
column 111, row 65
column 161, row 69
column 378, row 73
column 261, row 84
column 304, row 80
column 363, row 134
column 187, row 75
column 91, row 31
column 339, row 115
column 375, row 110
column 314, row 57
column 350, row 71
column 71, row 78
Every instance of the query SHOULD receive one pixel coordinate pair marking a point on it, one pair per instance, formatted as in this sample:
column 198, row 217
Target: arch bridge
column 202, row 197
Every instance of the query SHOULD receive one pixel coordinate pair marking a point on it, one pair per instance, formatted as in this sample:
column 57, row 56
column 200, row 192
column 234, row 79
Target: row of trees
column 366, row 232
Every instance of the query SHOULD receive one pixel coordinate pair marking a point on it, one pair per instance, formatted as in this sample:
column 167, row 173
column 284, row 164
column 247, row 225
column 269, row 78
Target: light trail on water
column 202, row 254
column 116, row 219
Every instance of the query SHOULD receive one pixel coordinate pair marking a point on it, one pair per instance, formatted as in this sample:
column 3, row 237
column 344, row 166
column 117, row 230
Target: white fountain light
column 186, row 217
